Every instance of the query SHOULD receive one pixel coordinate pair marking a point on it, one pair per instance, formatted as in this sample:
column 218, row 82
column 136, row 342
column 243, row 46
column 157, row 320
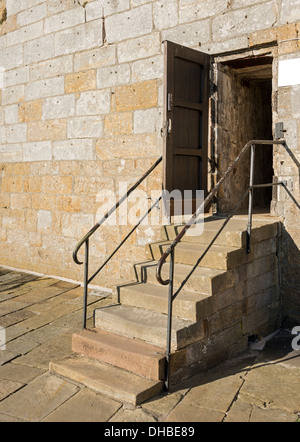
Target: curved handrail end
column 75, row 258
column 159, row 269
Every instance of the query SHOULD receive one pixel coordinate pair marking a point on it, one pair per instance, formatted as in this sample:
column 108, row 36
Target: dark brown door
column 186, row 111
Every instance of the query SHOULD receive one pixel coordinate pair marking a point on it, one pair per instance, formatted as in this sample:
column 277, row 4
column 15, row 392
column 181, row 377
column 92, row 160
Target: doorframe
column 233, row 58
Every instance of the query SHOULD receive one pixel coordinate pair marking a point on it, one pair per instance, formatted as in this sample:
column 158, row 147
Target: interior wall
column 243, row 112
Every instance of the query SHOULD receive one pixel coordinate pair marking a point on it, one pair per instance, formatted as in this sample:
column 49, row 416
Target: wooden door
column 186, row 110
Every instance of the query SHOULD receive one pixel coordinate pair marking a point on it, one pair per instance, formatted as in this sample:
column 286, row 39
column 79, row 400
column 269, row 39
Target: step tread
column 122, row 343
column 162, row 291
column 142, row 317
column 214, row 223
column 198, row 247
column 146, row 325
column 234, row 233
column 186, row 305
column 185, row 269
column 130, row 354
column 217, row 256
column 194, row 279
column 108, row 380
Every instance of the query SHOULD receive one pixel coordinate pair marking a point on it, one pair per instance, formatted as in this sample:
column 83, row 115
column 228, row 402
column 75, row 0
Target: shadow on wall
column 289, row 271
column 289, row 262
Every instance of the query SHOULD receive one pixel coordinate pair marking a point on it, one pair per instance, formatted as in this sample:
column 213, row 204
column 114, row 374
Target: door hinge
column 170, row 102
column 167, row 128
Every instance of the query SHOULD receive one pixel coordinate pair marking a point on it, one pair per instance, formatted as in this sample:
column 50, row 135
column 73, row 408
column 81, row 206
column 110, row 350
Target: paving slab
column 6, row 419
column 8, row 387
column 85, row 406
column 136, row 415
column 266, row 415
column 38, row 399
column 210, row 399
column 16, row 279
column 15, row 317
column 7, row 356
column 243, row 412
column 162, row 406
column 19, row 373
column 11, row 305
column 21, row 345
column 41, row 294
column 273, row 387
column 15, row 331
column 44, row 334
column 42, row 355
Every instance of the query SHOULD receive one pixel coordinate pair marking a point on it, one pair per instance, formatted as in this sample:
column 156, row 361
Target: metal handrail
column 171, row 249
column 86, row 238
column 206, row 202
column 111, row 211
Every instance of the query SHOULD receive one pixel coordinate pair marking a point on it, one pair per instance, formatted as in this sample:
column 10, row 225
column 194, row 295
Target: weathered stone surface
column 8, row 387
column 38, row 399
column 30, row 111
column 85, row 406
column 128, row 146
column 7, row 356
column 187, row 305
column 43, row 354
column 148, row 326
column 284, row 393
column 118, row 124
column 81, row 81
column 137, row 415
column 44, row 131
column 108, row 380
column 128, row 24
column 137, row 96
column 253, row 380
column 243, row 412
column 162, row 406
column 132, row 355
column 19, row 373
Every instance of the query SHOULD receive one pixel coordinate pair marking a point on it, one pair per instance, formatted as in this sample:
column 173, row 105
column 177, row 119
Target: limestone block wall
column 81, row 111
column 287, row 204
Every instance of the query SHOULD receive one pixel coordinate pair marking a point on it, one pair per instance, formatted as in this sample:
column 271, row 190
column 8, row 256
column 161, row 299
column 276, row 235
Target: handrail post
column 86, row 278
column 169, row 326
column 250, row 209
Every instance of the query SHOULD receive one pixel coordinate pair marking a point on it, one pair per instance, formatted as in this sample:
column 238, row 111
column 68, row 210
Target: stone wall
column 81, row 111
column 287, row 203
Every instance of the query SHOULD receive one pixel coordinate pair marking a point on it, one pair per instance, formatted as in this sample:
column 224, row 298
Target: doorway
column 212, row 107
column 243, row 112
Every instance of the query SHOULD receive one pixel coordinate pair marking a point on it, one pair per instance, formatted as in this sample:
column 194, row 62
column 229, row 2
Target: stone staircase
column 219, row 304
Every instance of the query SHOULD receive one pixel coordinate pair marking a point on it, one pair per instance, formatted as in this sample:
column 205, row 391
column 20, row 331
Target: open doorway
column 244, row 112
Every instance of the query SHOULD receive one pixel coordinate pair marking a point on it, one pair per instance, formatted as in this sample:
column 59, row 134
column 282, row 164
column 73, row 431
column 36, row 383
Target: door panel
column 188, row 128
column 186, row 113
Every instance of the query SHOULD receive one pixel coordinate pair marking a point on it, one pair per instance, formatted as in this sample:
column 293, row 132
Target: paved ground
column 38, row 316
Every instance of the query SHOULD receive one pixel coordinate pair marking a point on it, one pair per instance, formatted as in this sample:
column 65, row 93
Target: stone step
column 233, row 235
column 114, row 382
column 186, row 305
column 218, row 257
column 151, row 327
column 200, row 279
column 130, row 354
